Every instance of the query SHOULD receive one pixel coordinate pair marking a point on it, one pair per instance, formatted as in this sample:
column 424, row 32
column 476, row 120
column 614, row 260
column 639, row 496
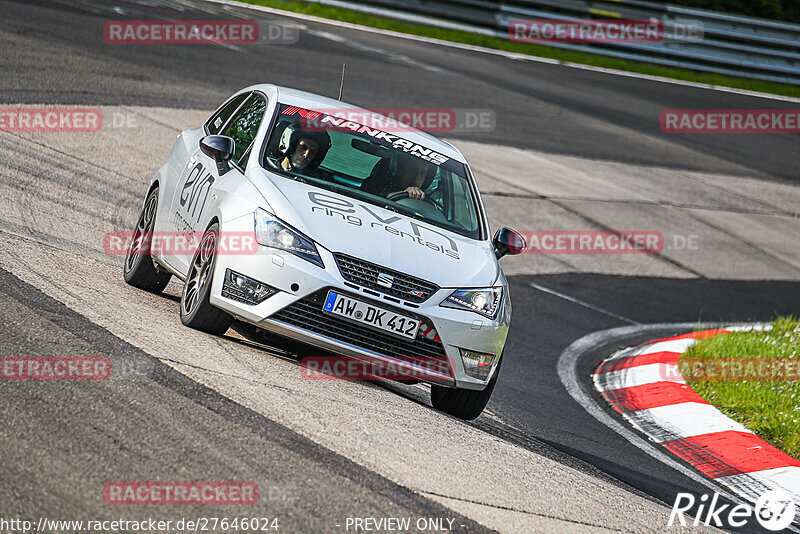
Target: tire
column 465, row 404
column 140, row 270
column 196, row 310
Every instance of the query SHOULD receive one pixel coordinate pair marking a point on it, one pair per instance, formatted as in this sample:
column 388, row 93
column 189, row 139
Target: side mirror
column 220, row 149
column 508, row 241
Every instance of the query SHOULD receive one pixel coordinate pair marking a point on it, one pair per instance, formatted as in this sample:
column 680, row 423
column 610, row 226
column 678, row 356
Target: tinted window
column 243, row 127
column 218, row 120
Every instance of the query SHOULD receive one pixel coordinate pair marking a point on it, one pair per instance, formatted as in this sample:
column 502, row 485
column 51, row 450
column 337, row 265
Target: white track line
column 502, row 53
column 582, row 303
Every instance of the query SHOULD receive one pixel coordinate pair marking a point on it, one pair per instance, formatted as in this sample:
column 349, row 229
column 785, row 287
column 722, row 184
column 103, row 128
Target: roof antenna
column 341, row 87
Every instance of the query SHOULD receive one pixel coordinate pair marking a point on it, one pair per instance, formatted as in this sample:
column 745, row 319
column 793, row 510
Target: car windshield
column 374, row 166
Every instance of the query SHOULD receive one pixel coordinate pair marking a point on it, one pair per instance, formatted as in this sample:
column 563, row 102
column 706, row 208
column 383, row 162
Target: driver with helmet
column 303, row 150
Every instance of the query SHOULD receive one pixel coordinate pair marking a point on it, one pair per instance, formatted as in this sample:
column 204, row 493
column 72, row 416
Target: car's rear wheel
column 140, row 270
column 196, row 310
column 465, row 404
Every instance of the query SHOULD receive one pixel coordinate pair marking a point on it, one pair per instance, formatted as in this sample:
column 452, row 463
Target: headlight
column 272, row 232
column 483, row 301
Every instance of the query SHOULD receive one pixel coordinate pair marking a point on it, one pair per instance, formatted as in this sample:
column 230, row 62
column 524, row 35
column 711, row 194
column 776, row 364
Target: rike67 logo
column 774, row 511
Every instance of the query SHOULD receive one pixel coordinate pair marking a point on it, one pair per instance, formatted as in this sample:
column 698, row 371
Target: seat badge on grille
column 385, row 280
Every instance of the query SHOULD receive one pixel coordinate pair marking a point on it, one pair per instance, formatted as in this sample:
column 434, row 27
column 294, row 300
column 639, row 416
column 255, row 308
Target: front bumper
column 293, row 312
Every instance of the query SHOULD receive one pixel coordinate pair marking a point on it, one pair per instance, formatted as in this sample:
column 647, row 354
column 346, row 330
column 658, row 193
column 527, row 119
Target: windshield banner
column 318, row 121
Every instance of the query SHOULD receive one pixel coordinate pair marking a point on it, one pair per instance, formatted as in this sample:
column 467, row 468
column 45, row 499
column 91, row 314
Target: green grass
column 771, row 409
column 356, row 17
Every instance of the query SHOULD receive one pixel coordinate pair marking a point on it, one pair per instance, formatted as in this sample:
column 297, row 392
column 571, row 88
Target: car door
column 201, row 178
column 184, row 154
column 181, row 162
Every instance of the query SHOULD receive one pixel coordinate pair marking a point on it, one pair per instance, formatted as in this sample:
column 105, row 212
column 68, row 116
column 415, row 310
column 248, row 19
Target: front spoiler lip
column 346, row 349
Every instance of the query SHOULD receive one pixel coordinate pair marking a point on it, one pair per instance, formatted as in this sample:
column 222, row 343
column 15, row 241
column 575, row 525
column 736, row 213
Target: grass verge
column 355, row 17
column 770, row 408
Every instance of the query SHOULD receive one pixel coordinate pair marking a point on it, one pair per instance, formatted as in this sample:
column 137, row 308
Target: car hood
column 347, row 225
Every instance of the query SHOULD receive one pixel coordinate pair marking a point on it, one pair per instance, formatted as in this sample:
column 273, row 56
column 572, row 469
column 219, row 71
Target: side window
column 463, row 207
column 218, row 120
column 243, row 127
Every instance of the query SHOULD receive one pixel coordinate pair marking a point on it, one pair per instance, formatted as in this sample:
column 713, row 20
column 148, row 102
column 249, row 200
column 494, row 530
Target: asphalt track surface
column 538, row 106
column 69, row 63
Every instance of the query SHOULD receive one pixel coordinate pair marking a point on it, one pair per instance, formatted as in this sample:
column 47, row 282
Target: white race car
column 371, row 243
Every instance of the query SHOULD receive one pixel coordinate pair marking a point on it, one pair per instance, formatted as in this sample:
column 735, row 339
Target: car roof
column 295, row 97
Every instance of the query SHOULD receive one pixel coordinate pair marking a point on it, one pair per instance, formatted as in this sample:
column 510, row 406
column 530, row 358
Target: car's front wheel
column 140, row 270
column 465, row 404
column 196, row 310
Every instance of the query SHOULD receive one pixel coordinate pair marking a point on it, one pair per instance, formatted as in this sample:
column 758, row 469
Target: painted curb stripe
column 619, row 364
column 684, row 420
column 644, row 384
column 638, row 375
column 649, row 396
column 700, row 334
column 729, row 453
column 670, row 345
column 787, row 478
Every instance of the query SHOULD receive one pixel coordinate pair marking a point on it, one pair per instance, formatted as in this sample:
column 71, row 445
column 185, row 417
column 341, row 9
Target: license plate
column 370, row 315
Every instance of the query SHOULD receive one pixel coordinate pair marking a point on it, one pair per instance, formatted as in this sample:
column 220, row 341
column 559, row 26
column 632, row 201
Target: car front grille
column 366, row 274
column 307, row 314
